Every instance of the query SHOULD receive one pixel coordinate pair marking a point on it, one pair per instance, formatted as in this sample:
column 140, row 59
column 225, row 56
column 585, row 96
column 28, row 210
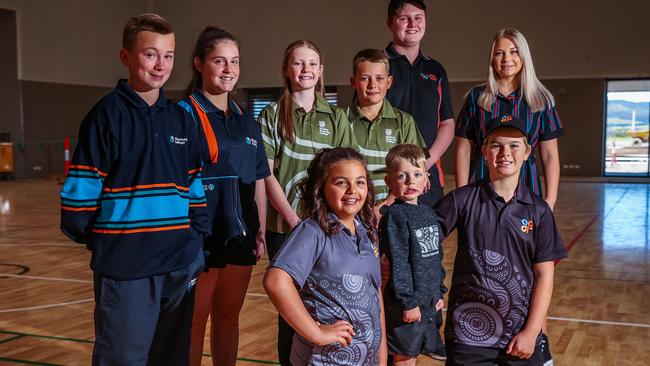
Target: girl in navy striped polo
column 512, row 88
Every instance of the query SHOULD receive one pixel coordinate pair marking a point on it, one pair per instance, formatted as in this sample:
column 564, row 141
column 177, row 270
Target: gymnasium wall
column 67, row 52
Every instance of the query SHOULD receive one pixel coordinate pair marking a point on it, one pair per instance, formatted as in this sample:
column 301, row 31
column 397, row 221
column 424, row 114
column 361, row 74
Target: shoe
column 439, row 354
column 546, row 350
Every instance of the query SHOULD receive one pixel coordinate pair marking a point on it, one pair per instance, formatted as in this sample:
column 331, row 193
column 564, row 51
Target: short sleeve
column 550, row 125
column 412, row 134
column 262, row 164
column 300, row 251
column 344, row 136
column 447, row 212
column 548, row 244
column 267, row 122
column 464, row 122
column 446, row 106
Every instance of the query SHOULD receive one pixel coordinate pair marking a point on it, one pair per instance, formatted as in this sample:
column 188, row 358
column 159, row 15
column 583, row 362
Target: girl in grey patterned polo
column 325, row 279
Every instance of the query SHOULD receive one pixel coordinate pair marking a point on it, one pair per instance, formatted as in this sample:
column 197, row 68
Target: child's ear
column 124, row 57
column 390, row 81
column 353, row 82
column 387, row 181
column 198, row 64
column 529, row 149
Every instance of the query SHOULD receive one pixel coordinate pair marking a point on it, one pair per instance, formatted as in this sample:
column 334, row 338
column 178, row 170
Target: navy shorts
column 146, row 321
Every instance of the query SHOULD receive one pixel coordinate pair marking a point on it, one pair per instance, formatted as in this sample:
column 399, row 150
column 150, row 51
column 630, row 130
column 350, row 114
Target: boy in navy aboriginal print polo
column 507, row 244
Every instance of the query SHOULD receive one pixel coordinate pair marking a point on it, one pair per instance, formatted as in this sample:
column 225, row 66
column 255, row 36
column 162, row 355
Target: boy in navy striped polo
column 503, row 272
column 134, row 197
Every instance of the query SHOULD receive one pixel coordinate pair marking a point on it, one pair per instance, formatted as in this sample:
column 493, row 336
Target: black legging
column 285, row 332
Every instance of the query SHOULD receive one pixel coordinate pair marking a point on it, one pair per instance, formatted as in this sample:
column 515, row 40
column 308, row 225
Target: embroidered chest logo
column 432, row 77
column 178, row 140
column 428, row 238
column 527, row 225
column 251, row 141
column 208, row 187
column 390, row 138
column 322, row 129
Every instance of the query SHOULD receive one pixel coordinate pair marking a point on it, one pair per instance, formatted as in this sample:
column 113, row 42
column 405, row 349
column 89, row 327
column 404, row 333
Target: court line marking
column 38, row 307
column 601, row 322
column 88, row 341
column 254, row 294
column 42, row 245
column 28, row 362
column 44, row 278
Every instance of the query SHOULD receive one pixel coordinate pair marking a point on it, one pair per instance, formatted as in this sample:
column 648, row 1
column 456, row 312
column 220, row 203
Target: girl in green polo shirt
column 294, row 129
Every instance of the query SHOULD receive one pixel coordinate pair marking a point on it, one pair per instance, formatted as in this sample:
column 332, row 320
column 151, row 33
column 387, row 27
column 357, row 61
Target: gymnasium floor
column 600, row 313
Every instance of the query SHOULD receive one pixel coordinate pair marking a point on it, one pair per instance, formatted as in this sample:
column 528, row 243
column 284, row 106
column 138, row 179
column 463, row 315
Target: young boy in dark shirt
column 503, row 272
column 134, row 197
column 410, row 238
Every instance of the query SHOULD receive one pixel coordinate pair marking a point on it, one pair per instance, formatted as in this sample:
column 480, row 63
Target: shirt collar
column 320, row 105
column 125, row 90
column 487, row 193
column 387, row 111
column 361, row 229
column 392, row 54
column 208, row 107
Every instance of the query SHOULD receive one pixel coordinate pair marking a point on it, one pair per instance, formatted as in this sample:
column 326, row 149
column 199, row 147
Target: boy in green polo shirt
column 377, row 126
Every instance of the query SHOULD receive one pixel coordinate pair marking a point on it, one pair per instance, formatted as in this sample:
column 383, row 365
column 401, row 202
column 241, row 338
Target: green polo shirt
column 375, row 138
column 322, row 127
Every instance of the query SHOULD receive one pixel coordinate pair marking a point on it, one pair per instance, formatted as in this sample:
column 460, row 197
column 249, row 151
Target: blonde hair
column 532, row 90
column 285, row 113
column 409, row 152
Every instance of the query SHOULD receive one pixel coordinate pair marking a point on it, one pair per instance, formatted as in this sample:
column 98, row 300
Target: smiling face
column 505, row 151
column 346, row 189
column 303, row 69
column 505, row 59
column 220, row 68
column 371, row 81
column 407, row 181
column 150, row 60
column 408, row 26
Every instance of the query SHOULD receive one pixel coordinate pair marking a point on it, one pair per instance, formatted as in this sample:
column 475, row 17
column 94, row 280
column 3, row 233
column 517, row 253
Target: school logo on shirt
column 322, row 129
column 527, row 225
column 251, row 141
column 178, row 140
column 432, row 77
column 390, row 138
column 428, row 238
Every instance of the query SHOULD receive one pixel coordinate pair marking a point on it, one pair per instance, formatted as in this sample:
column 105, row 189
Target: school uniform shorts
column 146, row 321
column 464, row 355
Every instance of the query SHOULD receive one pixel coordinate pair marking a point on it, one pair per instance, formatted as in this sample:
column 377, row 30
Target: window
column 626, row 128
column 260, row 98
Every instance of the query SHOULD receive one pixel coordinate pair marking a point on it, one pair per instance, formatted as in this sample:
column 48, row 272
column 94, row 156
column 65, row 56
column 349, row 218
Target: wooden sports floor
column 600, row 313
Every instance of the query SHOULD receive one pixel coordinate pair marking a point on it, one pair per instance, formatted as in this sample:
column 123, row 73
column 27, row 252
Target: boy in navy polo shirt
column 503, row 272
column 134, row 196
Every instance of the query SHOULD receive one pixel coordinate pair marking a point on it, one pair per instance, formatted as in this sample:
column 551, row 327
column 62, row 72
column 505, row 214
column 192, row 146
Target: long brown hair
column 285, row 113
column 208, row 39
column 312, row 196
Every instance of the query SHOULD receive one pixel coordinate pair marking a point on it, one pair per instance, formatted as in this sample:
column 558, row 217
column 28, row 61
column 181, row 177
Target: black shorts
column 412, row 339
column 461, row 354
column 237, row 252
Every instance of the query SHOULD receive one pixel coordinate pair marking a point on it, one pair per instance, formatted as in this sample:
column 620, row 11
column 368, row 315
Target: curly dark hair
column 312, row 196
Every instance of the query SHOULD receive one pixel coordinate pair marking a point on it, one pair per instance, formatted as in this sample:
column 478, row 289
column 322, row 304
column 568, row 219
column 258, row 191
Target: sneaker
column 546, row 350
column 439, row 354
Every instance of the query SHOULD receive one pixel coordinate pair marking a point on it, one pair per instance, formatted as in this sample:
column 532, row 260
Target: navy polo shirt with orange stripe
column 498, row 244
column 542, row 125
column 229, row 182
column 422, row 90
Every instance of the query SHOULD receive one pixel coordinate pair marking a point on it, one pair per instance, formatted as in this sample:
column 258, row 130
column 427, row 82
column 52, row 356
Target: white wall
column 76, row 42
